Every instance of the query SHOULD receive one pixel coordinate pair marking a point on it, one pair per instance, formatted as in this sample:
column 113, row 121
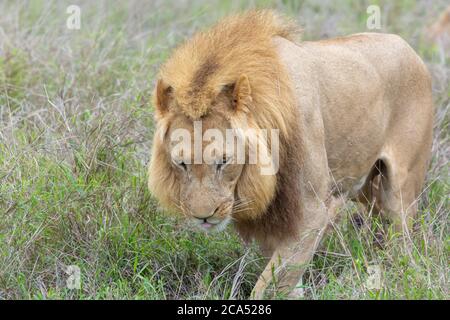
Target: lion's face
column 204, row 178
column 208, row 183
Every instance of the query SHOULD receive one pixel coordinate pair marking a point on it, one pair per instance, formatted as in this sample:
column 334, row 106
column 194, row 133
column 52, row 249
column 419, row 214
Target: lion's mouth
column 209, row 226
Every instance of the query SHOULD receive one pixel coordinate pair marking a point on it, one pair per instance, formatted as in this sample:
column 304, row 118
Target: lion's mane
column 196, row 72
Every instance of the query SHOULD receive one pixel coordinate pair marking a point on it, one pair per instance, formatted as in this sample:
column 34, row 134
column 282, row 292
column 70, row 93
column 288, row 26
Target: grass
column 75, row 137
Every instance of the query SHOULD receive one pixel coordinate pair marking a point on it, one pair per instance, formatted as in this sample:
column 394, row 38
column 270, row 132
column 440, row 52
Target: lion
column 439, row 31
column 347, row 111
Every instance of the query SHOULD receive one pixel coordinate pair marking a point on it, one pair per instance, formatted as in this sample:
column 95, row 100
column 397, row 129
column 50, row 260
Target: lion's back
column 389, row 55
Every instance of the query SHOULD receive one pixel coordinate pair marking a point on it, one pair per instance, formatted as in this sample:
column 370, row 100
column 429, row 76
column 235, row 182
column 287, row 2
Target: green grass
column 75, row 138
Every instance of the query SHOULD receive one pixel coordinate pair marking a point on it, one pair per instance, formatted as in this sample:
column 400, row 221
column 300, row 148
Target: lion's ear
column 240, row 92
column 162, row 96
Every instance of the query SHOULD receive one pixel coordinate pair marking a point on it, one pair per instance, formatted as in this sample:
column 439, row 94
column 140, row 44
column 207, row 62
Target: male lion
column 348, row 110
column 440, row 30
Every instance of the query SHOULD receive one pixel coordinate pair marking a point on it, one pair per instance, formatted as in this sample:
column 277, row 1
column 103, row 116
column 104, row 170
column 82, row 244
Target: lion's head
column 228, row 78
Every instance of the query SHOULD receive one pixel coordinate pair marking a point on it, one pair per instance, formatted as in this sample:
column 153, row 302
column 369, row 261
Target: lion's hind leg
column 391, row 192
column 367, row 200
column 368, row 196
column 399, row 191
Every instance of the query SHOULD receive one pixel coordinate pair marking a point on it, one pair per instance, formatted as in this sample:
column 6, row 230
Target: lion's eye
column 220, row 164
column 180, row 164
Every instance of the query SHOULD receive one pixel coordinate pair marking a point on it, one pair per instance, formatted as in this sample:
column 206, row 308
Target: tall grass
column 75, row 137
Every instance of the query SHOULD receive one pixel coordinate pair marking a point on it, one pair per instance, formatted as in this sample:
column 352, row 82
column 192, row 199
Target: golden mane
column 200, row 68
column 240, row 44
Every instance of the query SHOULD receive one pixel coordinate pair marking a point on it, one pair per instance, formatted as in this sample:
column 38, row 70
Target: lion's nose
column 207, row 215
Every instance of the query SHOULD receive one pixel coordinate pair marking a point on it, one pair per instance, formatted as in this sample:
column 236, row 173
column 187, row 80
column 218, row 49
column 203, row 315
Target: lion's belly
column 354, row 143
column 350, row 163
column 348, row 186
column 352, row 150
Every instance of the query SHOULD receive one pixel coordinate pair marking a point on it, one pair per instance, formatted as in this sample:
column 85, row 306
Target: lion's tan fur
column 349, row 110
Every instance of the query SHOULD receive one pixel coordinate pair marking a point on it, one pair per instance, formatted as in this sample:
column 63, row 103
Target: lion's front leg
column 289, row 261
column 315, row 202
column 288, row 264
